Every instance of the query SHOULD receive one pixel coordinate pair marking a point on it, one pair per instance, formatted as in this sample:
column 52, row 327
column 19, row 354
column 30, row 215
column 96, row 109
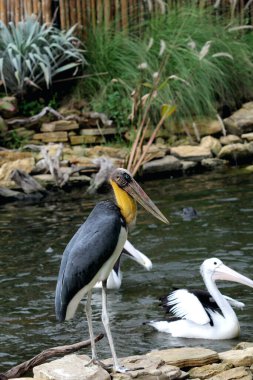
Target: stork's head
column 127, row 191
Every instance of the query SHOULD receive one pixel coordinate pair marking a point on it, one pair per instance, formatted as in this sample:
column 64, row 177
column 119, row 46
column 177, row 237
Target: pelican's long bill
column 222, row 272
column 126, row 182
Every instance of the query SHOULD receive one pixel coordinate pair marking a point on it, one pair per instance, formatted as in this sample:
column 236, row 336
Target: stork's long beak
column 141, row 197
column 222, row 272
column 136, row 255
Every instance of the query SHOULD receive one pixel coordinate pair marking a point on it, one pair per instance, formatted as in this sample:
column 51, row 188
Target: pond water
column 33, row 237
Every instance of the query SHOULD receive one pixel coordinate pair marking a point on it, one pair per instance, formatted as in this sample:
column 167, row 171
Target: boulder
column 247, row 136
column 237, row 153
column 155, row 151
column 213, row 163
column 238, row 357
column 8, row 106
column 211, row 143
column 191, row 152
column 59, row 125
column 207, row 371
column 230, row 139
column 186, row 357
column 13, row 155
column 239, row 373
column 25, row 164
column 188, row 165
column 71, row 367
column 48, row 137
column 240, row 121
column 162, row 165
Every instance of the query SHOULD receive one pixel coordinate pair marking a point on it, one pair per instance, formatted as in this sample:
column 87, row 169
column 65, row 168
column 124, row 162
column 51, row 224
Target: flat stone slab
column 186, row 357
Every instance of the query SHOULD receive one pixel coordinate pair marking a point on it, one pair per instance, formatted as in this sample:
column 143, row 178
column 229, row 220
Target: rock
column 213, row 163
column 208, row 127
column 71, row 367
column 98, row 151
column 12, row 155
column 240, row 121
column 186, row 357
column 191, row 152
column 209, row 370
column 230, row 139
column 8, row 106
column 77, row 140
column 166, row 164
column 247, row 136
column 211, row 143
column 239, row 373
column 98, row 132
column 59, row 125
column 238, row 357
column 237, row 153
column 51, row 137
column 187, row 165
column 155, row 151
column 243, row 345
column 25, row 164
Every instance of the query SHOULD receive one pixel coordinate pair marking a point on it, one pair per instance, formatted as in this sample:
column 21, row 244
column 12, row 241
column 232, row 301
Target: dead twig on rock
column 22, row 368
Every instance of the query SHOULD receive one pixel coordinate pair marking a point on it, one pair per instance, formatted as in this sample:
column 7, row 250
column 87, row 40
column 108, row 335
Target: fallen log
column 22, row 368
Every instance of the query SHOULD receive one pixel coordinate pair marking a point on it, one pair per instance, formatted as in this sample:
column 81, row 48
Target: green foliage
column 203, row 65
column 33, row 107
column 32, row 55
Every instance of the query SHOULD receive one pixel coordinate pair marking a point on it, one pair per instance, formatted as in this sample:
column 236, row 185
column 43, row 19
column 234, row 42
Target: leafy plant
column 32, row 55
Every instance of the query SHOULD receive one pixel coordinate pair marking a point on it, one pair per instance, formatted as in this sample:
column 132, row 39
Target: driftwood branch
column 33, row 119
column 22, row 368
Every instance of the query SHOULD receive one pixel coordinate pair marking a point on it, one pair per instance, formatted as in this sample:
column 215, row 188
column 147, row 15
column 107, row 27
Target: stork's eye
column 215, row 262
column 127, row 177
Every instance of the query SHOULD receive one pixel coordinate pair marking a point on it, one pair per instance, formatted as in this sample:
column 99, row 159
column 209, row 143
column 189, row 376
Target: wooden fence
column 66, row 13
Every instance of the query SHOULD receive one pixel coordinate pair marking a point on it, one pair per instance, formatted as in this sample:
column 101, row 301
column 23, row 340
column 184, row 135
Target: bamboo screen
column 66, row 13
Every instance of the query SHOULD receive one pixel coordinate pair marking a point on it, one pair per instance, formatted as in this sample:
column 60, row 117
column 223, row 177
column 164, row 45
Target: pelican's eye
column 215, row 262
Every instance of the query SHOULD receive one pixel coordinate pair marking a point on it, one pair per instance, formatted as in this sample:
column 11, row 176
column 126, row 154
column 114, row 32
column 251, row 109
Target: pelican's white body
column 199, row 321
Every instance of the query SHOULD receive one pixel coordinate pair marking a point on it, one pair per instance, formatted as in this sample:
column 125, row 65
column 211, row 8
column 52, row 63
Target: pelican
column 115, row 277
column 95, row 248
column 201, row 314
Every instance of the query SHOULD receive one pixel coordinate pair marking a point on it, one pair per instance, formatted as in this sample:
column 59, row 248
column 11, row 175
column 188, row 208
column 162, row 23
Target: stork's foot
column 98, row 362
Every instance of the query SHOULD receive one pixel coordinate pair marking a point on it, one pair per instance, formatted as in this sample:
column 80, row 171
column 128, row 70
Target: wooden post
column 36, row 7
column 99, row 11
column 84, row 17
column 93, row 13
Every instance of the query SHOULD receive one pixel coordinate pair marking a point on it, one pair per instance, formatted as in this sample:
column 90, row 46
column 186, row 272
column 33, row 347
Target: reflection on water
column 33, row 237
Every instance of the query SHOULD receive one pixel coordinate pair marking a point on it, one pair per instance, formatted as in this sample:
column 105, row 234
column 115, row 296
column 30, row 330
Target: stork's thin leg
column 88, row 311
column 105, row 320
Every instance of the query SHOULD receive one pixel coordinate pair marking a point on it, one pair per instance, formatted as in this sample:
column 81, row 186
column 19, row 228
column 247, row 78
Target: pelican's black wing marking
column 87, row 251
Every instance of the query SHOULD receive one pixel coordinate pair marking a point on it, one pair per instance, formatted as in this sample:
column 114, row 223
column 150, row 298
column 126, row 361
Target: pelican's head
column 127, row 191
column 216, row 270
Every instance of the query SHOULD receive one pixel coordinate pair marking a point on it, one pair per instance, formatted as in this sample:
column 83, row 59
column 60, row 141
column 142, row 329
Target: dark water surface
column 33, row 237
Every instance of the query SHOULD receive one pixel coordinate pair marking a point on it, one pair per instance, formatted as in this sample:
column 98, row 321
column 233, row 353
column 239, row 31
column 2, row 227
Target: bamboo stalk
column 124, row 14
column 99, row 11
column 107, row 13
column 3, row 11
column 67, row 12
column 35, row 7
column 47, row 13
column 17, row 12
column 84, row 18
column 72, row 12
column 62, row 14
column 93, row 13
column 79, row 14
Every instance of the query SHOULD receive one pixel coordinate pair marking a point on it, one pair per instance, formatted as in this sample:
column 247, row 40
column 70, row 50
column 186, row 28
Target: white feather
column 187, row 306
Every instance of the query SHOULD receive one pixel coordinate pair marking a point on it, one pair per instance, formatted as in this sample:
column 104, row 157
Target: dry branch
column 45, row 355
column 33, row 119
